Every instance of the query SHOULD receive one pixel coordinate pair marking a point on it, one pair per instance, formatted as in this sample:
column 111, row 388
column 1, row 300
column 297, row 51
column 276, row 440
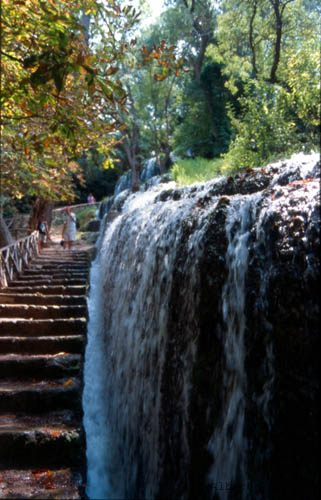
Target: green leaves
column 269, row 50
column 57, row 94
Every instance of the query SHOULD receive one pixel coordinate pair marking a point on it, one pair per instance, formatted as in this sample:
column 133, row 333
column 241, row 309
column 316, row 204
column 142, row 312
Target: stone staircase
column 43, row 316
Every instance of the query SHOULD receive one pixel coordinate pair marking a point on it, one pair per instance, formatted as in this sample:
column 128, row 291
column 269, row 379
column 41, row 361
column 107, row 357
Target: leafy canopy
column 270, row 51
column 59, row 94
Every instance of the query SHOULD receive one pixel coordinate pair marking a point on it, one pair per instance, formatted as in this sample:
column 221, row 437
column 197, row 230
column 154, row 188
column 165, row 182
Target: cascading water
column 228, row 444
column 140, row 252
column 95, row 418
column 182, row 364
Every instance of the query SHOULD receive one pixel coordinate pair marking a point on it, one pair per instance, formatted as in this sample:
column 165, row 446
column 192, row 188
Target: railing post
column 14, row 257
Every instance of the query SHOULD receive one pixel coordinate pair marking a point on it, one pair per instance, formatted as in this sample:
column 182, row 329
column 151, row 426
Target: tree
column 58, row 95
column 148, row 72
column 203, row 96
column 272, row 48
column 198, row 22
column 55, row 96
column 99, row 181
column 212, row 135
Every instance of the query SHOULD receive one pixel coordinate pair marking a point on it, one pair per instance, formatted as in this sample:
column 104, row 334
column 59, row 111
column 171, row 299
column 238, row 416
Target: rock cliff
column 203, row 340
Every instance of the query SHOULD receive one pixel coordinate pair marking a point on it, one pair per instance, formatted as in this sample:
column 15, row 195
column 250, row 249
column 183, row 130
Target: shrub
column 198, row 170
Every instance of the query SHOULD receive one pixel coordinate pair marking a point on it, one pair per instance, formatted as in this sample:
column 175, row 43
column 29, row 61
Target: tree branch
column 278, row 8
column 11, row 57
column 251, row 35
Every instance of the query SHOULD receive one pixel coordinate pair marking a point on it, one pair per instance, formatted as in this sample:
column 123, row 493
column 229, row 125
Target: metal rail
column 14, row 257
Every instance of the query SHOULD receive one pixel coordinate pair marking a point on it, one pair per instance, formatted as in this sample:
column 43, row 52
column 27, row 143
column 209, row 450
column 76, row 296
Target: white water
column 127, row 337
column 129, row 302
column 94, row 397
column 228, row 444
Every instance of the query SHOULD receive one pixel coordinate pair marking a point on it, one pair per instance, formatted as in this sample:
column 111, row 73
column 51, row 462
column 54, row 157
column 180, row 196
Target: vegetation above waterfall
column 91, row 84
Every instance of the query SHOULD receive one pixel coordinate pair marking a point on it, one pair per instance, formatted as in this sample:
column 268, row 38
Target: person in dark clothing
column 43, row 232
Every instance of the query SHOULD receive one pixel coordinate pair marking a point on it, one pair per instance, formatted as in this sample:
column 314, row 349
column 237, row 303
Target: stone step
column 43, row 322
column 31, row 366
column 47, row 267
column 61, row 256
column 41, row 311
column 49, row 274
column 54, row 260
column 53, row 281
column 49, row 290
column 42, row 396
column 84, row 271
column 73, row 344
column 21, row 327
column 38, row 298
column 44, row 484
column 49, row 440
column 57, row 262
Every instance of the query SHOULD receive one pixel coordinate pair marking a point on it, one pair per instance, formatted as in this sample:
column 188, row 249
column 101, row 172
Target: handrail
column 14, row 257
column 80, row 205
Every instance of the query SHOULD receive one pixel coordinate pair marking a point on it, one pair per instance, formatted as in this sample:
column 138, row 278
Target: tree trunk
column 251, row 36
column 40, row 207
column 131, row 144
column 5, row 236
column 135, row 178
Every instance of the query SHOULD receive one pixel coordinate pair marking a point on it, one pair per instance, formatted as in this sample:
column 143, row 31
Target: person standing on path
column 69, row 229
column 91, row 199
column 43, row 232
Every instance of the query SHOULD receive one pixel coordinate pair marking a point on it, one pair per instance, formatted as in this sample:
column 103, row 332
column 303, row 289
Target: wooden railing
column 13, row 258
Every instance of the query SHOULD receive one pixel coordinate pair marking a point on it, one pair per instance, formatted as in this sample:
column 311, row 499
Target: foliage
column 70, row 105
column 166, row 110
column 58, row 96
column 272, row 47
column 164, row 56
column 265, row 130
column 99, row 181
column 85, row 215
column 197, row 170
column 211, row 137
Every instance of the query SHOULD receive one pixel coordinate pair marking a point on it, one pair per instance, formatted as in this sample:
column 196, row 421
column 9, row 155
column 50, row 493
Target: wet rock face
column 283, row 318
column 211, row 357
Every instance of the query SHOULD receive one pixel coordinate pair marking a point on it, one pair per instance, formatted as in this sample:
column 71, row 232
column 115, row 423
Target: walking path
column 43, row 317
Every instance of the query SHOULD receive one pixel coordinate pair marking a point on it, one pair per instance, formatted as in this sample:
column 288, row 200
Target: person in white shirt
column 69, row 228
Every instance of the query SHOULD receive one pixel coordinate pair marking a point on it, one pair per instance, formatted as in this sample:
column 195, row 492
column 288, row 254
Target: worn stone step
column 73, row 344
column 54, row 274
column 41, row 299
column 58, row 261
column 59, row 264
column 41, row 483
column 55, row 269
column 21, row 327
column 42, row 311
column 43, row 317
column 42, row 396
column 53, row 281
column 67, row 260
column 32, row 366
column 49, row 290
column 65, row 252
column 46, row 274
column 50, row 440
column 47, row 268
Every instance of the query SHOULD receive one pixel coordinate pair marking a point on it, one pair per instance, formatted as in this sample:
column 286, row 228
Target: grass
column 186, row 172
column 85, row 215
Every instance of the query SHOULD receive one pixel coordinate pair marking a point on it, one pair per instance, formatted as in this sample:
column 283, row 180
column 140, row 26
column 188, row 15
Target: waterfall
column 228, row 444
column 188, row 333
column 95, row 417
